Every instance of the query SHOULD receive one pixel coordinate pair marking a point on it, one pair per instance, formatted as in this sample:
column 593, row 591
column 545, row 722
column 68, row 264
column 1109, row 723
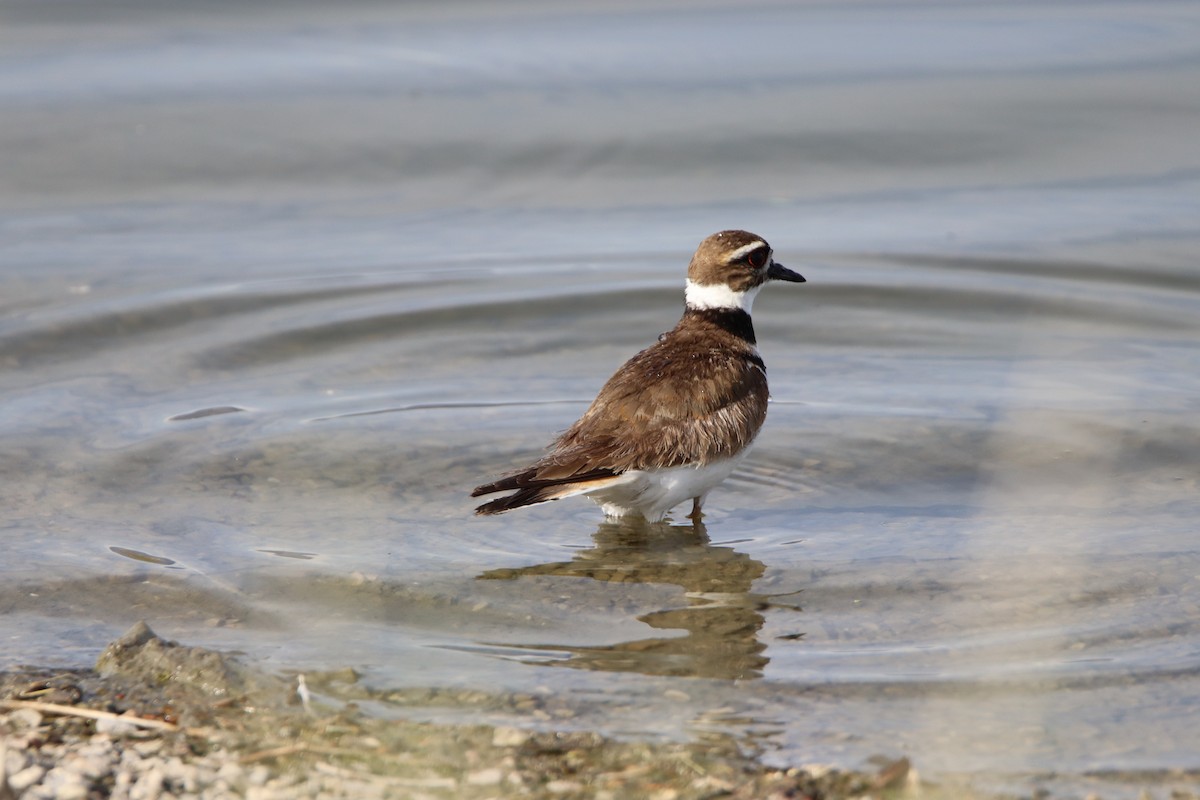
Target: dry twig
column 87, row 713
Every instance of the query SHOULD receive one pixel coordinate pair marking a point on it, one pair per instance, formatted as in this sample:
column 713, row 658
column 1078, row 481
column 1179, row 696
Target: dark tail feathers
column 530, row 490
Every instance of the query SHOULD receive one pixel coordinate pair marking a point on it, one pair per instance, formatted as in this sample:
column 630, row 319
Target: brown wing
column 692, row 401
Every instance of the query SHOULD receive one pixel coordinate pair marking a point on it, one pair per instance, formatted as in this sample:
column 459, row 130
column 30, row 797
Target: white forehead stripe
column 701, row 296
column 746, row 250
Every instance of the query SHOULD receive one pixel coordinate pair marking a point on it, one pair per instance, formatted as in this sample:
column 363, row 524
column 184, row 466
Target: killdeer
column 679, row 416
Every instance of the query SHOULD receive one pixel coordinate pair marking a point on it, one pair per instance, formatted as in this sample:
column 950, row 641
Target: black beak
column 778, row 272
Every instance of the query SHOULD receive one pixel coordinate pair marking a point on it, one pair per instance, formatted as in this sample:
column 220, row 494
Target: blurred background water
column 282, row 282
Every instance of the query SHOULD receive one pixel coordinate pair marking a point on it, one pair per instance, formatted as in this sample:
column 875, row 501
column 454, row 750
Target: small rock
column 20, row 781
column 180, row 775
column 509, row 737
column 281, row 783
column 712, row 785
column 116, row 727
column 122, row 780
column 259, row 775
column 14, row 760
column 91, row 765
column 563, row 787
column 148, row 785
column 485, row 777
column 71, row 788
column 232, row 773
column 25, row 718
column 148, row 748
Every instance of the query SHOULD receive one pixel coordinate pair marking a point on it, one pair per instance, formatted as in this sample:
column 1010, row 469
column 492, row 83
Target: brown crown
column 727, row 257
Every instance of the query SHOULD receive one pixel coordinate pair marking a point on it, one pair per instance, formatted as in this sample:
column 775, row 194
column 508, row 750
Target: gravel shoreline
column 156, row 719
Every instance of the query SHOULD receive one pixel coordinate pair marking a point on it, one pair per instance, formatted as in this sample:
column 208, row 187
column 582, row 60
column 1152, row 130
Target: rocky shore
column 156, row 719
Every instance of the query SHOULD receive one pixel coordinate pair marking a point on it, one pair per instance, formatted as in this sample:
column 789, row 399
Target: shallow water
column 280, row 288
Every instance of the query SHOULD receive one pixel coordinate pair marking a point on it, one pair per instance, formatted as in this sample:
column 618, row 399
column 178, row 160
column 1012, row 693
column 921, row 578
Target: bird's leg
column 696, row 515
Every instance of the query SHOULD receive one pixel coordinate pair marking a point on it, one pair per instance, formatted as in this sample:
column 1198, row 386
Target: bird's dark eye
column 757, row 258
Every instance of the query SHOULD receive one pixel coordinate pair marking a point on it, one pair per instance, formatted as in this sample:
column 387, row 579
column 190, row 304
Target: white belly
column 652, row 493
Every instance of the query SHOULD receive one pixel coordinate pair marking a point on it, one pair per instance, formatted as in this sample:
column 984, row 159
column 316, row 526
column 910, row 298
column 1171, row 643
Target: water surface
column 281, row 286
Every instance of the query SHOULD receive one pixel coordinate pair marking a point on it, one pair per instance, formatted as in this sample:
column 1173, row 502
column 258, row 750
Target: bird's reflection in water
column 720, row 616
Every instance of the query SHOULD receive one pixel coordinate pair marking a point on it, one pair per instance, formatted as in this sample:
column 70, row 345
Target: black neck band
column 731, row 320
